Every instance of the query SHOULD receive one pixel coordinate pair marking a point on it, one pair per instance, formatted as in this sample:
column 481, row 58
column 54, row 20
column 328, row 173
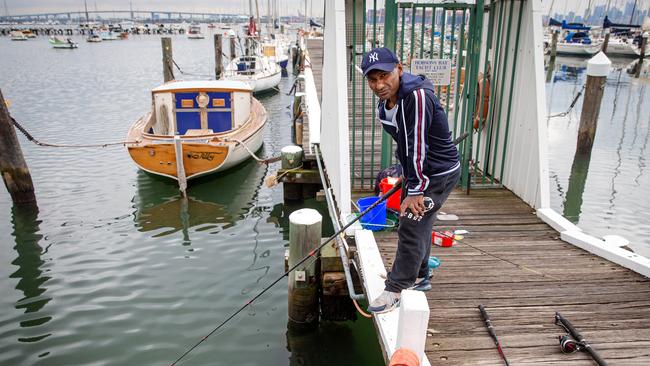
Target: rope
column 39, row 143
column 575, row 99
column 252, row 154
column 363, row 313
column 189, row 73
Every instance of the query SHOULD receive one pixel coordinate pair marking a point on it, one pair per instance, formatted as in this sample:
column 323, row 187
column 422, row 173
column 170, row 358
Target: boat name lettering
column 205, row 155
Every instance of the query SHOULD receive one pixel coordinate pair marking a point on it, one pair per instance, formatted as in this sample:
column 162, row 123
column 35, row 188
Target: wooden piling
column 305, row 229
column 644, row 45
column 167, row 60
column 291, row 158
column 217, row 56
column 232, row 48
column 597, row 71
column 606, row 41
column 554, row 44
column 13, row 167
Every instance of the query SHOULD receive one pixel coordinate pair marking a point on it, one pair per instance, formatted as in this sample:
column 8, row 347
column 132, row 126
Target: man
column 411, row 113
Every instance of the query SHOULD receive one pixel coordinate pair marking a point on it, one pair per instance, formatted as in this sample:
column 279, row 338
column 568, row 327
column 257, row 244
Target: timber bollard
column 644, row 45
column 232, row 48
column 597, row 71
column 167, row 60
column 291, row 158
column 13, row 167
column 218, row 63
column 606, row 41
column 556, row 33
column 305, row 229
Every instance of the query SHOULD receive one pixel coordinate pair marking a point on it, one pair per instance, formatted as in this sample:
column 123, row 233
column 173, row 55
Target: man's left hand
column 413, row 203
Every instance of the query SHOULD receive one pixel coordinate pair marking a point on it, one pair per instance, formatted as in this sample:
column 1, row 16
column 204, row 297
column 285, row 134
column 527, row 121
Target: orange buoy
column 404, row 357
column 482, row 94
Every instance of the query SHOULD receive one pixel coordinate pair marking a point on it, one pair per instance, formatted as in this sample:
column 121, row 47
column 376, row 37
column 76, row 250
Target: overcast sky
column 287, row 7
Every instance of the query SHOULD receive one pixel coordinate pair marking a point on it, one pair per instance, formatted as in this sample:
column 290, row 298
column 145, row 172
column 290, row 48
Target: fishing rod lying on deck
column 578, row 343
column 493, row 334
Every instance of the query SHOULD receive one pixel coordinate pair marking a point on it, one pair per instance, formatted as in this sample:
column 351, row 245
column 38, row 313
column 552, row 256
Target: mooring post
column 639, row 64
column 167, row 60
column 13, row 167
column 597, row 71
column 232, row 48
column 305, row 229
column 606, row 41
column 291, row 156
column 291, row 159
column 556, row 32
column 217, row 56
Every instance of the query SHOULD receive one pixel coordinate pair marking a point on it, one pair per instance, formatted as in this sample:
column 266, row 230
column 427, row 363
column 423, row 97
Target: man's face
column 385, row 84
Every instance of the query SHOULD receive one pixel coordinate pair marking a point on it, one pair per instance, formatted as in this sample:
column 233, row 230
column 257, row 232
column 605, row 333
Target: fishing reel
column 570, row 345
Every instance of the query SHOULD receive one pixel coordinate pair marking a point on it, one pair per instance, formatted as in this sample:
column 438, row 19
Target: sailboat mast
column 633, row 10
column 257, row 10
column 85, row 6
column 6, row 9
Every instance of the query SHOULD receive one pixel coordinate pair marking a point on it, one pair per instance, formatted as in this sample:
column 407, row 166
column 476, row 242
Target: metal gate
column 480, row 55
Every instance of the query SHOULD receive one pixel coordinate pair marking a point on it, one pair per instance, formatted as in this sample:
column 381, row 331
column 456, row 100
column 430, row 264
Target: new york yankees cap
column 380, row 58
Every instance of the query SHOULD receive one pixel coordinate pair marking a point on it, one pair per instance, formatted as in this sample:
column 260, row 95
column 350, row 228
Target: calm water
column 608, row 193
column 113, row 268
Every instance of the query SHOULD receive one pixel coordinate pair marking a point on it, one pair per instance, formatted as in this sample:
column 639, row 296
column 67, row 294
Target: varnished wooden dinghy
column 197, row 128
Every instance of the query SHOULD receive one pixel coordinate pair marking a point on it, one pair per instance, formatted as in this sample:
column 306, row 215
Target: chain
column 39, row 143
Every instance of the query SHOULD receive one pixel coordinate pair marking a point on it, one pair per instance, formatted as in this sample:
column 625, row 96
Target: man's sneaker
column 421, row 284
column 386, row 302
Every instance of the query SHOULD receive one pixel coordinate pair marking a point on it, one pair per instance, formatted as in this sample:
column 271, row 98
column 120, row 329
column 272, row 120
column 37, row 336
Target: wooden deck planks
column 517, row 266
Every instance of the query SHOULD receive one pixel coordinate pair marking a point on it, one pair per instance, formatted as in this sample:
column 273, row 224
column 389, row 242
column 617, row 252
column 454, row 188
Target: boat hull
column 201, row 155
column 577, row 49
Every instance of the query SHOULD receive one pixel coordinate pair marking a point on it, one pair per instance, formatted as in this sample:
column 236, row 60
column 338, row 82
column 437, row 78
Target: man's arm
column 418, row 111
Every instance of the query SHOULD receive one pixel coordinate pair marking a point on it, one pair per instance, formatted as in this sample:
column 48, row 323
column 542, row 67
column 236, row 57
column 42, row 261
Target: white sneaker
column 386, row 302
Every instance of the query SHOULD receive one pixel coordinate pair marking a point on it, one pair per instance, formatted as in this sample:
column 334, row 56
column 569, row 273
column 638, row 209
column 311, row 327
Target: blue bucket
column 374, row 220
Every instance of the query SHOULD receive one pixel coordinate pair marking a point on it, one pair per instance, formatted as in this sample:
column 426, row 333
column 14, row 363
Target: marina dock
column 519, row 268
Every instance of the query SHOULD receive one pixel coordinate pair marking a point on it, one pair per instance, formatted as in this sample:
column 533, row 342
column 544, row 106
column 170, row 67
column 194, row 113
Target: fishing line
column 311, row 254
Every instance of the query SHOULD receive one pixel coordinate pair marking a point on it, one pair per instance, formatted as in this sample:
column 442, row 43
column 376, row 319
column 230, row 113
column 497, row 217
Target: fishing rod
column 311, row 254
column 578, row 343
column 493, row 334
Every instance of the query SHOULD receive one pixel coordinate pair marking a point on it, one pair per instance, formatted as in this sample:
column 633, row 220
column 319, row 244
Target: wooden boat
column 18, row 36
column 57, row 42
column 257, row 71
column 211, row 125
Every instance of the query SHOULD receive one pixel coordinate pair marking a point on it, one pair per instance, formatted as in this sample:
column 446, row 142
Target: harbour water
column 608, row 193
column 114, row 268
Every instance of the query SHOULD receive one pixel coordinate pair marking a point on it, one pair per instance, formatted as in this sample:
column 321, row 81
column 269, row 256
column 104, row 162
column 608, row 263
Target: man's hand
column 413, row 203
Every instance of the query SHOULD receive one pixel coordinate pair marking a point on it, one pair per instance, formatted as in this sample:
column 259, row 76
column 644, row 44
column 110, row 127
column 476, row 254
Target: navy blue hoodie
column 420, row 128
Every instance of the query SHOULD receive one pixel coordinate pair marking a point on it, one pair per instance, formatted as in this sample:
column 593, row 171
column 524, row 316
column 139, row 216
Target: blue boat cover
column 608, row 24
column 188, row 114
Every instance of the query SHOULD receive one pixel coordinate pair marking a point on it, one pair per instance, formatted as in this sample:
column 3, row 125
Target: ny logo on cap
column 373, row 57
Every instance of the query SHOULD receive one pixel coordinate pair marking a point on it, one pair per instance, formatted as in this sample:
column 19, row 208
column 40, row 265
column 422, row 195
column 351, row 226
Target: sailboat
column 621, row 41
column 197, row 128
column 255, row 69
column 576, row 41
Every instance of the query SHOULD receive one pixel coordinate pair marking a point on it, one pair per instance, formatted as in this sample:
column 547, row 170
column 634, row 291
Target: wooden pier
column 517, row 266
